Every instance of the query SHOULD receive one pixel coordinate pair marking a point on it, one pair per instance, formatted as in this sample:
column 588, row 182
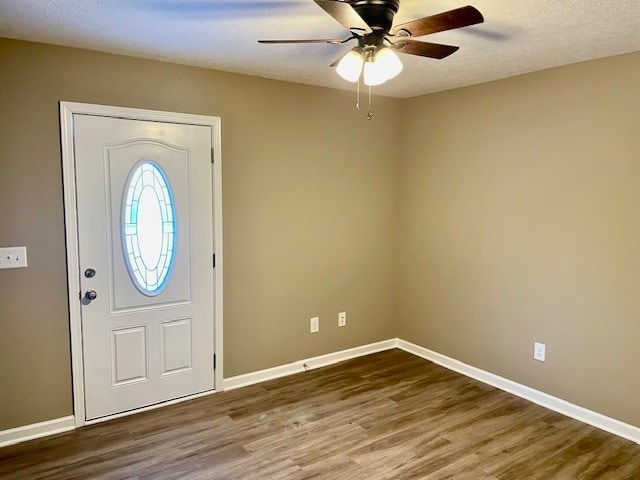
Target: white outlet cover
column 314, row 325
column 13, row 257
column 342, row 319
column 539, row 351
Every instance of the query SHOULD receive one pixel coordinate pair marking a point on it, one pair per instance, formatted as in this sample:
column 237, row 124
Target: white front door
column 145, row 242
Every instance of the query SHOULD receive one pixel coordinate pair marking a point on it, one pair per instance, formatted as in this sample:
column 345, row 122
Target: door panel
column 177, row 347
column 128, row 355
column 175, row 164
column 145, row 226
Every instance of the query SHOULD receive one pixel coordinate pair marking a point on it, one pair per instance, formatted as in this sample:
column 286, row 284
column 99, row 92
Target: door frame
column 67, row 110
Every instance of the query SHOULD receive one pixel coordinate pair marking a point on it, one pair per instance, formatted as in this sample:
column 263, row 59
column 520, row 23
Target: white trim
column 36, row 430
column 312, row 363
column 611, row 425
column 217, row 245
column 608, row 424
column 67, row 110
column 73, row 261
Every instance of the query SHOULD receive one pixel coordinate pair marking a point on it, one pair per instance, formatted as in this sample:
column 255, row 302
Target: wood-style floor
column 385, row 416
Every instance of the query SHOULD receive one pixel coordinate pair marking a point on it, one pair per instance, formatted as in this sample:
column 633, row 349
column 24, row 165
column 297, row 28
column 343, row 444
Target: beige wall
column 309, row 212
column 520, row 222
column 496, row 216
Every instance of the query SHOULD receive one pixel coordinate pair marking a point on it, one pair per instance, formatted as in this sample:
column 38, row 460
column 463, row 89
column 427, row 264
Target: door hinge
column 214, row 260
column 212, row 155
column 214, row 361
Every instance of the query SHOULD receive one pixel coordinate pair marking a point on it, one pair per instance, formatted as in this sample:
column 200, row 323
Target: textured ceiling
column 518, row 36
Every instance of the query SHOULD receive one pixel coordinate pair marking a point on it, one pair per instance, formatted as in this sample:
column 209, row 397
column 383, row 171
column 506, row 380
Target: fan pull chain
column 369, row 114
column 358, row 95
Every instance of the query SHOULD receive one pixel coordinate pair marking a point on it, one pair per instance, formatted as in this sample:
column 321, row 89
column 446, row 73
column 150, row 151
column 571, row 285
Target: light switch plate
column 13, row 257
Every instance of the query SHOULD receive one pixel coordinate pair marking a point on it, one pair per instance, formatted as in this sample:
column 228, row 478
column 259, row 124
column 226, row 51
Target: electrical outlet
column 315, row 325
column 342, row 319
column 13, row 257
column 539, row 351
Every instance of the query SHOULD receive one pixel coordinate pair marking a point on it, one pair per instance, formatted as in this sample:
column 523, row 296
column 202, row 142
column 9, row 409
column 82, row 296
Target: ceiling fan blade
column 334, row 41
column 423, row 49
column 460, row 17
column 344, row 13
column 336, row 62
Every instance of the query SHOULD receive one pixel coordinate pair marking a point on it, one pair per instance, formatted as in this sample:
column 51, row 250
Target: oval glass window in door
column 148, row 227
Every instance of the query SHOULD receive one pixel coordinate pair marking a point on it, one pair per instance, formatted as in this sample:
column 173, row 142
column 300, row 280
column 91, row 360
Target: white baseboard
column 608, row 424
column 36, row 430
column 312, row 363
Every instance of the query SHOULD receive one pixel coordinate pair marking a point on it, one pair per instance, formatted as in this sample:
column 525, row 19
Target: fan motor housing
column 377, row 13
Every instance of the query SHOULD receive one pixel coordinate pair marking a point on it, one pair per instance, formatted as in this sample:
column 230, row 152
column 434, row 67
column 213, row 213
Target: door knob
column 91, row 295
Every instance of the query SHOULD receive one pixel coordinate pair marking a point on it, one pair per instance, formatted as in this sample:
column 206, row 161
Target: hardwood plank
column 390, row 415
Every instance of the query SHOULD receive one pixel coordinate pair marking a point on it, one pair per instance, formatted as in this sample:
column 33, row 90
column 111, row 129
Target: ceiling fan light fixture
column 350, row 66
column 380, row 66
column 371, row 23
column 389, row 62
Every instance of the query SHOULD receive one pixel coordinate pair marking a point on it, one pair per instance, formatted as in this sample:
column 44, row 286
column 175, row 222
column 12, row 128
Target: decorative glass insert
column 148, row 227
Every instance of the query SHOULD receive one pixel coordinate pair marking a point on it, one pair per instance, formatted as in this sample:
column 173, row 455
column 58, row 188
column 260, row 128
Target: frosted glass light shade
column 383, row 66
column 389, row 62
column 373, row 74
column 350, row 66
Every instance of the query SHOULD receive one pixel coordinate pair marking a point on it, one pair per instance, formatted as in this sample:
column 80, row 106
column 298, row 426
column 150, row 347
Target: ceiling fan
column 371, row 24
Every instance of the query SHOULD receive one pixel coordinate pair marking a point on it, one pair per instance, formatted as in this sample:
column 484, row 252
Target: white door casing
column 141, row 345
